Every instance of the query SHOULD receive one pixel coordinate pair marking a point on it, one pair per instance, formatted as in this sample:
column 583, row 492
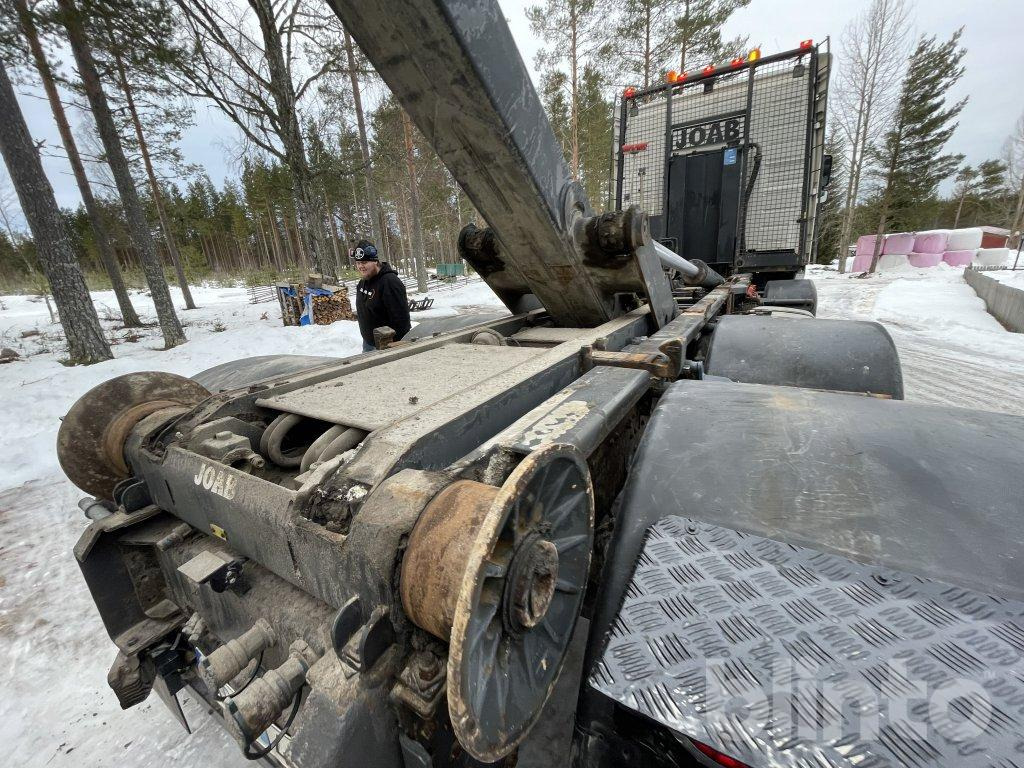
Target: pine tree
column 645, row 40
column 909, row 161
column 142, row 238
column 86, row 343
column 991, row 191
column 554, row 97
column 575, row 31
column 697, row 33
column 966, row 178
column 129, row 316
column 595, row 138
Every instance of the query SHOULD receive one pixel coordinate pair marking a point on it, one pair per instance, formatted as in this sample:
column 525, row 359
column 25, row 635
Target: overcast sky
column 993, row 36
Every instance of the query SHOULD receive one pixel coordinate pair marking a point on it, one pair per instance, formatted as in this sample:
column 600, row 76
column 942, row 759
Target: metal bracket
column 422, row 684
column 666, row 363
column 370, row 641
column 222, row 570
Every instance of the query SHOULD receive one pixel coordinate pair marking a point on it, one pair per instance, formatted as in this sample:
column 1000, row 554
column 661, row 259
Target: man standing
column 380, row 296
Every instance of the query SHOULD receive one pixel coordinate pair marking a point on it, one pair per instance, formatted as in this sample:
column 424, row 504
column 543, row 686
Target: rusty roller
column 90, row 442
column 500, row 574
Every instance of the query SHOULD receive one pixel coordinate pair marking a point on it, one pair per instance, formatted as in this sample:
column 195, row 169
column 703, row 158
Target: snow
column 964, row 239
column 993, row 257
column 1011, row 277
column 56, row 708
column 952, row 351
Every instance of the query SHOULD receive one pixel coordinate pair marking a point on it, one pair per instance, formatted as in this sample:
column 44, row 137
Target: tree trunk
column 86, row 343
column 364, row 146
column 154, row 185
column 128, row 314
column 414, row 194
column 574, row 101
column 308, row 212
column 959, row 209
column 404, row 251
column 142, row 238
column 647, row 45
column 338, row 266
column 1018, row 213
column 275, row 235
column 685, row 44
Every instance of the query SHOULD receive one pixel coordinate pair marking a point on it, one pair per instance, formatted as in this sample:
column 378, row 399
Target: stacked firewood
column 331, row 309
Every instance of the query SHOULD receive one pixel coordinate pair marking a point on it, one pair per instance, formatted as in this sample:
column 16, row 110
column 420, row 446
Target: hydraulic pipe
column 694, row 272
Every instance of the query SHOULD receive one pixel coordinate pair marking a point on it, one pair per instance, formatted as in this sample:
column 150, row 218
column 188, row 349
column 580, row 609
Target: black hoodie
column 381, row 300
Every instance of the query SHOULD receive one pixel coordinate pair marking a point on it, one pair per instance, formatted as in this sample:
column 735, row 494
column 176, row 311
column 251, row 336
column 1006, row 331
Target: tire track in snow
column 937, row 369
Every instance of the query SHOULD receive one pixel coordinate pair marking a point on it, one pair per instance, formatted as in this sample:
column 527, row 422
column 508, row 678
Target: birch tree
column 872, row 49
column 247, row 65
column 1013, row 152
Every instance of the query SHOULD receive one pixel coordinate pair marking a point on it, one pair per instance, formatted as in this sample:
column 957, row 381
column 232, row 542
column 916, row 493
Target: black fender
column 927, row 490
column 242, row 373
column 839, row 355
column 931, row 490
column 792, row 293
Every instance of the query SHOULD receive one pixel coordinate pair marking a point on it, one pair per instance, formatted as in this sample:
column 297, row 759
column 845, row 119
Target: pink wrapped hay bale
column 902, row 242
column 992, row 257
column 925, row 259
column 861, row 262
column 958, row 258
column 931, row 242
column 964, row 239
column 865, row 245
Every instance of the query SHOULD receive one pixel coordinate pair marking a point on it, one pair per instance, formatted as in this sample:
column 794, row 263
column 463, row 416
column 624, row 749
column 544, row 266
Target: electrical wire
column 255, row 671
column 747, row 192
column 263, row 752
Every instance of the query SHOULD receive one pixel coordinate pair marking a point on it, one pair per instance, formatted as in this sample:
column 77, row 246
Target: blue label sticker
column 730, row 157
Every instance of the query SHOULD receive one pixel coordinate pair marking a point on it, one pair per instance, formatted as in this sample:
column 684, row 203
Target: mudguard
column 838, row 355
column 803, row 577
column 792, row 293
column 249, row 370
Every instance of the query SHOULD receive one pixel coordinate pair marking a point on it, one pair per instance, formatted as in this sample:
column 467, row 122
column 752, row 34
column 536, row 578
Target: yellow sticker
column 219, row 532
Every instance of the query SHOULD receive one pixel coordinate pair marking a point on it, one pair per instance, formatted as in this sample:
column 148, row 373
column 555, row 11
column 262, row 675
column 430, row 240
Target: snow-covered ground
column 952, row 351
column 1014, row 277
column 55, row 706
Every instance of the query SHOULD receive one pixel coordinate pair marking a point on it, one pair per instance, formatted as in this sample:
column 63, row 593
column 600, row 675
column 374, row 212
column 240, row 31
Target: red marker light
column 708, row 69
column 682, row 76
column 630, row 92
column 737, row 62
column 805, row 44
column 720, row 758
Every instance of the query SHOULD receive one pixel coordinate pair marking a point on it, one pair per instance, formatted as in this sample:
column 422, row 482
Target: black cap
column 365, row 251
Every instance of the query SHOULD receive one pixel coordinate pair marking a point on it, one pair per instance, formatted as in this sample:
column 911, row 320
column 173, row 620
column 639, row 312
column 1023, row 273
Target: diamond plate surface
column 785, row 656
